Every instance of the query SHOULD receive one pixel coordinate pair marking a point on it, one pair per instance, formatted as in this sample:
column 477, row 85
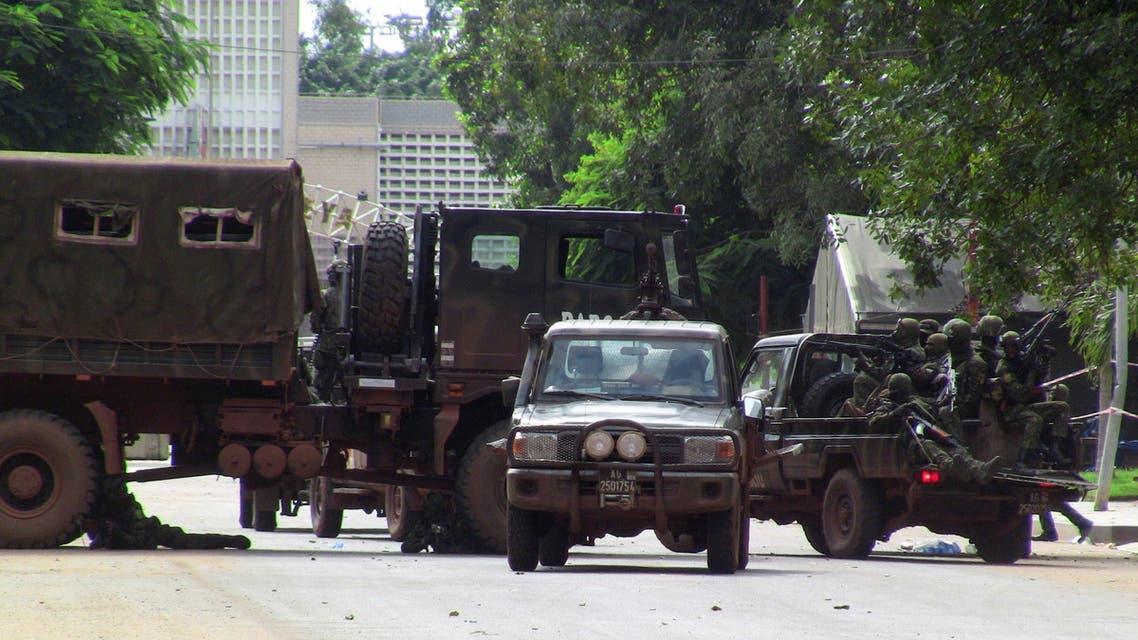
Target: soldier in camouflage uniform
column 891, row 413
column 1018, row 399
column 988, row 332
column 907, row 335
column 118, row 522
column 970, row 374
column 330, row 348
column 439, row 529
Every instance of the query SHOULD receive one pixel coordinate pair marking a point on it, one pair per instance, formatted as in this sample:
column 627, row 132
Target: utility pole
column 1118, row 401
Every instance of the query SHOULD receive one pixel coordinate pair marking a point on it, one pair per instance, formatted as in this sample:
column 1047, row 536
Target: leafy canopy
column 86, row 75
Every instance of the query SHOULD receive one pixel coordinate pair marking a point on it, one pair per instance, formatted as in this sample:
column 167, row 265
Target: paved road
column 294, row 585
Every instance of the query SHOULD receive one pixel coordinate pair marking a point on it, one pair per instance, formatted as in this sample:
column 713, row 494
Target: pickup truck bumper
column 586, row 493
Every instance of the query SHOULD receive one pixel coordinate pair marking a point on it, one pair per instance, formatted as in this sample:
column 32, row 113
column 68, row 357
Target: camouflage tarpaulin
column 152, row 249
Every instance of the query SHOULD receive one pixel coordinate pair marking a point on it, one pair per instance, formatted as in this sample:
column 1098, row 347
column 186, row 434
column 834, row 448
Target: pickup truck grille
column 663, row 449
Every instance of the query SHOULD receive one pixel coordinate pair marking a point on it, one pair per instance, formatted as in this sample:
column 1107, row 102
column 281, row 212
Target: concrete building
column 401, row 153
column 245, row 103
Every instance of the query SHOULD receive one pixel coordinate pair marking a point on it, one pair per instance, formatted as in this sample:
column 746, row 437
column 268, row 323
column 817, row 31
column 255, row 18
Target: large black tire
column 744, row 543
column 326, row 522
column 553, row 550
column 1008, row 546
column 815, row 536
column 851, row 515
column 480, row 489
column 523, row 539
column 396, row 507
column 824, row 398
column 49, row 478
column 382, row 288
column 723, row 541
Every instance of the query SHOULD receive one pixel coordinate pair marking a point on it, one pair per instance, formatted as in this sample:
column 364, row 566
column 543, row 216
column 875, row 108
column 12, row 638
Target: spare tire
column 824, row 398
column 382, row 288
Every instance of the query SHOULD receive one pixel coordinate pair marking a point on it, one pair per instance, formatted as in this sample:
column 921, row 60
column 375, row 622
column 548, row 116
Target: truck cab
column 622, row 426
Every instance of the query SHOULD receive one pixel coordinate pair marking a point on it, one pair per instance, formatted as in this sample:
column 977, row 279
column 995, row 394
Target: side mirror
column 753, row 404
column 510, row 390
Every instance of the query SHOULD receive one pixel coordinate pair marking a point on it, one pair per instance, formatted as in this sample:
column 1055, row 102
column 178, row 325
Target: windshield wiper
column 578, row 394
column 658, row 398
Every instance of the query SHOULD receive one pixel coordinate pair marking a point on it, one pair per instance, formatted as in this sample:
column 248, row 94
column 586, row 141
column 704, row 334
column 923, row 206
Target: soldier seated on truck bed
column 898, row 410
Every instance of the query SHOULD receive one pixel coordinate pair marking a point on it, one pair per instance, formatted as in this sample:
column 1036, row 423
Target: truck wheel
column 400, row 517
column 851, row 515
column 381, row 288
column 744, row 543
column 824, row 398
column 553, row 549
column 522, row 541
column 1007, row 546
column 326, row 522
column 480, row 489
column 245, row 506
column 815, row 536
column 723, row 541
column 48, row 480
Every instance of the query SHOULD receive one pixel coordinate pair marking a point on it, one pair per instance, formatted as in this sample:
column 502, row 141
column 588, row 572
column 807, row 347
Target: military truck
column 166, row 296
column 849, row 487
column 622, row 426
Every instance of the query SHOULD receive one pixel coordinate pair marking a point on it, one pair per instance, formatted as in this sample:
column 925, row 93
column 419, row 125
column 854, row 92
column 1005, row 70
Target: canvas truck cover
column 133, row 249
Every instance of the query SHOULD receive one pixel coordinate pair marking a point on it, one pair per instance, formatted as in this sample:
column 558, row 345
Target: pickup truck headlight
column 631, row 445
column 598, row 444
column 708, row 449
column 528, row 445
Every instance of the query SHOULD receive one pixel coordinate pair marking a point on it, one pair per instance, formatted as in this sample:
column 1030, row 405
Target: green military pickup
column 851, row 487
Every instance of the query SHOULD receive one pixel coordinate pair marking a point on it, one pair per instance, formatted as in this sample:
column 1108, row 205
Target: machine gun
column 1037, row 351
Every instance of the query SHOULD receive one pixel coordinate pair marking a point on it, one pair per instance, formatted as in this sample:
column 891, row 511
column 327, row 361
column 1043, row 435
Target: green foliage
column 86, row 75
column 647, row 105
column 1008, row 128
column 335, row 61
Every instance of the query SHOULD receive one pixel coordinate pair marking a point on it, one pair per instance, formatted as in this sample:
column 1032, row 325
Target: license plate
column 1036, row 502
column 617, row 484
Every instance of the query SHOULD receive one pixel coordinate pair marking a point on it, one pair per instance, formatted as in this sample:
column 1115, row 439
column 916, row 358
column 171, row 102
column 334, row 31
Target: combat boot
column 983, row 471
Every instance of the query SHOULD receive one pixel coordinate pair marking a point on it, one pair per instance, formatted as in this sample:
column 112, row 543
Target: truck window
column 206, row 226
column 87, row 220
column 619, row 367
column 765, row 370
column 495, row 252
column 587, row 259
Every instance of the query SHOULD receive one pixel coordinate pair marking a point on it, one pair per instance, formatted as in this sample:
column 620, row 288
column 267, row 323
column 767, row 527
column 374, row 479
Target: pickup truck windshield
column 624, row 368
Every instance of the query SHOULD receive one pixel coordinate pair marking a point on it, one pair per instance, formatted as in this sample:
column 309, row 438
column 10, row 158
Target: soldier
column 329, row 348
column 969, row 376
column 1047, row 532
column 907, row 335
column 1018, row 398
column 893, row 411
column 871, row 373
column 928, row 326
column 988, row 332
column 930, row 378
column 118, row 522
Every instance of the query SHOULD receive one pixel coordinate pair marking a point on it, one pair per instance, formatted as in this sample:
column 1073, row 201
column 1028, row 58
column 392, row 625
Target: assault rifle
column 1037, row 351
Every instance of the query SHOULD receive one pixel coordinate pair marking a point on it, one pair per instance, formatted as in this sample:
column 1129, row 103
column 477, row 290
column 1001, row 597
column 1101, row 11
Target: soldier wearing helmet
column 988, row 338
column 907, row 335
column 1019, row 399
column 899, row 410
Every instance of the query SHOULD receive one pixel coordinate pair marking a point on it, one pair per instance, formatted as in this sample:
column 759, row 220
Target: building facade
column 400, row 153
column 245, row 102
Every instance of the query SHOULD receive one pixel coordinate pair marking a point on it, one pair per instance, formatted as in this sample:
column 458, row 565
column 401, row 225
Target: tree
column 85, row 75
column 335, row 61
column 636, row 104
column 1006, row 129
